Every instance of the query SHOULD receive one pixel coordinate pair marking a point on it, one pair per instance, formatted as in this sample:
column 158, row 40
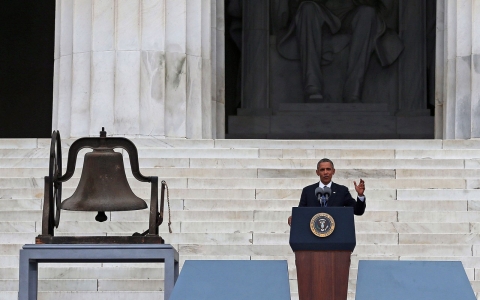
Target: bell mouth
column 87, row 205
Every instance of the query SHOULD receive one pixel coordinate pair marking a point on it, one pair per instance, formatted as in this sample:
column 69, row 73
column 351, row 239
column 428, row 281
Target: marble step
column 84, row 285
column 231, row 194
column 199, row 251
column 37, row 193
column 73, row 295
column 370, row 250
column 264, row 183
column 276, row 163
column 160, row 172
column 361, row 226
column 266, row 194
column 144, row 153
column 266, row 144
column 87, row 271
column 373, row 205
column 288, row 163
column 241, row 152
column 212, row 173
column 170, row 238
column 177, row 216
column 383, row 239
column 139, row 142
column 265, row 238
column 42, row 153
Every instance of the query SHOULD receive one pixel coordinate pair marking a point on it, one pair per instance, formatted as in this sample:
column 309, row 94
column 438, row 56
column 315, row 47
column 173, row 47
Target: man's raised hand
column 360, row 188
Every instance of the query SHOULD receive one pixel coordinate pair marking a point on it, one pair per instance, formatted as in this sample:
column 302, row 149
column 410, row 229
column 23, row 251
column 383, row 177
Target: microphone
column 323, row 194
column 327, row 192
column 319, row 193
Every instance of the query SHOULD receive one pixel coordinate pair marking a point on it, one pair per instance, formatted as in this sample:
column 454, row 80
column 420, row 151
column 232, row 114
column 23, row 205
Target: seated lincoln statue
column 316, row 29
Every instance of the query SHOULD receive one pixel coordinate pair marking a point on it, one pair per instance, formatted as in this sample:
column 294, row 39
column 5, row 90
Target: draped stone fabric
column 388, row 45
column 357, row 24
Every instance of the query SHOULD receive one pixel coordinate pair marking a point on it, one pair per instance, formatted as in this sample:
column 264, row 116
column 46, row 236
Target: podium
column 323, row 239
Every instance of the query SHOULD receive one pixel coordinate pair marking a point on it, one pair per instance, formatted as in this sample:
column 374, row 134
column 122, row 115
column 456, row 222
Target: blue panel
column 412, row 280
column 232, row 280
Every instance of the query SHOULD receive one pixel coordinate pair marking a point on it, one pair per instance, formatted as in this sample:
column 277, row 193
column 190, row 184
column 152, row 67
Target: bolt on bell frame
column 102, row 187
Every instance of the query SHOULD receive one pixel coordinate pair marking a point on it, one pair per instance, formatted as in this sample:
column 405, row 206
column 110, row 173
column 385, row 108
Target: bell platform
column 31, row 255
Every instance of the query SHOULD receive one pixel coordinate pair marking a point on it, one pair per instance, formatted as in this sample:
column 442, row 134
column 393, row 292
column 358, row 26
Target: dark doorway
column 27, row 38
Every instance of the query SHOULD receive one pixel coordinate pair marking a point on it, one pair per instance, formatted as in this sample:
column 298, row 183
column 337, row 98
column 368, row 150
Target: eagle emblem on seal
column 322, row 224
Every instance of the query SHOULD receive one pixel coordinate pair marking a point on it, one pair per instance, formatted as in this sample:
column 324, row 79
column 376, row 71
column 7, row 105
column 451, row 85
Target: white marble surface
column 66, row 32
column 457, row 91
column 64, row 93
column 152, row 93
column 128, row 25
column 118, row 295
column 130, row 72
column 176, row 97
column 416, row 208
column 207, row 119
column 127, row 91
column 175, row 31
column 82, row 26
column 102, row 99
column 463, row 99
column 193, row 12
column 153, row 25
column 194, row 117
column 130, row 285
column 103, row 26
column 80, row 110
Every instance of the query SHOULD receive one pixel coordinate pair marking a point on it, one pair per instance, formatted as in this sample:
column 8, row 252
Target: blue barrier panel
column 412, row 280
column 232, row 280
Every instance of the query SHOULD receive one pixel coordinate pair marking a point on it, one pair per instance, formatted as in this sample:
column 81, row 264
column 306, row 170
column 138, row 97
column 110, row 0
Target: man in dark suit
column 340, row 196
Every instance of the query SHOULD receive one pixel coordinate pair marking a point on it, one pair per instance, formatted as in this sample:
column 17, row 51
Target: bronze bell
column 103, row 185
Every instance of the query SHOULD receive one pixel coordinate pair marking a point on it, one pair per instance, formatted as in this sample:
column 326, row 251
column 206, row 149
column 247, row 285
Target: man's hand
column 360, row 188
column 290, row 221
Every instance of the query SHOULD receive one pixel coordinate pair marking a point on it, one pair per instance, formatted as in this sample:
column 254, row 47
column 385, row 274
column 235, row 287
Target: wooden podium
column 322, row 258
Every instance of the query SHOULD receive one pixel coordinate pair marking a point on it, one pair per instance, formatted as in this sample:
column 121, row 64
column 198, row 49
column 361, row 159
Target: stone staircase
column 230, row 199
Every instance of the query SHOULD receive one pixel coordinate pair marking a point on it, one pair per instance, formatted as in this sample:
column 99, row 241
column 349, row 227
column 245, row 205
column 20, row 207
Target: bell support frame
column 53, row 192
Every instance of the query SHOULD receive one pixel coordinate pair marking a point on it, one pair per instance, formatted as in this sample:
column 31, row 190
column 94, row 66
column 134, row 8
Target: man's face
column 325, row 171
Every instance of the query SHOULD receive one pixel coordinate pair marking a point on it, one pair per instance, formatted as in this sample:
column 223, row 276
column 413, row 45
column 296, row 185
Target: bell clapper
column 101, row 217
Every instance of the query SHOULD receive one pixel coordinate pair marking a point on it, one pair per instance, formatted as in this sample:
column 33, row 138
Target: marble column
column 457, row 95
column 139, row 68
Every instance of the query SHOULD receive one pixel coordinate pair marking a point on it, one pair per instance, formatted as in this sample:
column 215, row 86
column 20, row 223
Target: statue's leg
column 309, row 24
column 364, row 26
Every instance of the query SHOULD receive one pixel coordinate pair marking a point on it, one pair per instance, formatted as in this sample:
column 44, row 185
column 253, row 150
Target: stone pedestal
column 139, row 67
column 330, row 121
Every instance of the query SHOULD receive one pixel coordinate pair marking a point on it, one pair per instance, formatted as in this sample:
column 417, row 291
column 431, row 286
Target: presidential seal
column 322, row 224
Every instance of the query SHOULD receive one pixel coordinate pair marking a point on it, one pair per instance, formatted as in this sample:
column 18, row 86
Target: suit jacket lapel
column 333, row 197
